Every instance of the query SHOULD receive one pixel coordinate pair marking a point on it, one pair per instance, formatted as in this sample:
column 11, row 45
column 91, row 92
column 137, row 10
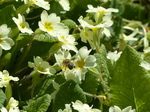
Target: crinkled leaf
column 130, row 83
column 70, row 23
column 103, row 64
column 2, row 98
column 68, row 92
column 45, row 37
column 137, row 12
column 39, row 105
column 46, row 86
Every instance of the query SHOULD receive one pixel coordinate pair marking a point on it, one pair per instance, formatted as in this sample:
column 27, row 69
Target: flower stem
column 25, row 53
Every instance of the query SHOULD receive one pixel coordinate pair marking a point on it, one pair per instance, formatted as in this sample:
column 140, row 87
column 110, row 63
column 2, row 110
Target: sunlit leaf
column 68, row 92
column 39, row 105
column 130, row 83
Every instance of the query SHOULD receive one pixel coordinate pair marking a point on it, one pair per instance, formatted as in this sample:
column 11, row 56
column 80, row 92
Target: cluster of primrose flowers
column 95, row 25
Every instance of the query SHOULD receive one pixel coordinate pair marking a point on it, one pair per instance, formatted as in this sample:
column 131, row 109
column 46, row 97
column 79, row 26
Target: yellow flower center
column 7, row 79
column 101, row 12
column 1, row 39
column 80, row 63
column 48, row 26
column 62, row 37
column 22, row 26
column 41, row 69
column 86, row 34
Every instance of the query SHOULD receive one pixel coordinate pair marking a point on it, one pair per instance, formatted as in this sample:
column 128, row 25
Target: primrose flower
column 11, row 106
column 4, row 31
column 103, row 25
column 51, row 24
column 145, row 65
column 12, row 103
column 5, row 41
column 83, row 62
column 60, row 56
column 68, row 42
column 64, row 3
column 113, row 55
column 5, row 78
column 80, row 107
column 87, row 36
column 117, row 109
column 23, row 26
column 41, row 66
column 101, row 10
column 67, row 108
column 40, row 3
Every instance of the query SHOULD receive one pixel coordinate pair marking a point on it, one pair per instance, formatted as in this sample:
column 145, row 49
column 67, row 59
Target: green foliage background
column 127, row 83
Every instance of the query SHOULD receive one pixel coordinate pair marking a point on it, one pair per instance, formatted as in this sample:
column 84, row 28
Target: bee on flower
column 75, row 69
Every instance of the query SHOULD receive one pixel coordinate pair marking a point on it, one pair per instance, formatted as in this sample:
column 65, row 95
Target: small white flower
column 4, row 31
column 40, row 3
column 117, row 109
column 101, row 10
column 83, row 62
column 113, row 55
column 41, row 66
column 23, row 26
column 103, row 25
column 87, row 35
column 12, row 103
column 86, row 22
column 5, row 78
column 68, row 42
column 3, row 109
column 5, row 42
column 67, row 108
column 51, row 24
column 64, row 3
column 80, row 107
column 145, row 65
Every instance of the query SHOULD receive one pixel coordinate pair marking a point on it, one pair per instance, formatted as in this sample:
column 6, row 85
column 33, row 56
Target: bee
column 68, row 64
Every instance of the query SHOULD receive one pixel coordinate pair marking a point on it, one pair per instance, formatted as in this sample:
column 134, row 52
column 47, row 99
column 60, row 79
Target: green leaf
column 68, row 22
column 2, row 98
column 104, row 65
column 20, row 42
column 45, row 37
column 137, row 12
column 117, row 5
column 6, row 18
column 55, row 47
column 44, row 87
column 39, row 105
column 90, row 84
column 68, row 92
column 130, row 83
